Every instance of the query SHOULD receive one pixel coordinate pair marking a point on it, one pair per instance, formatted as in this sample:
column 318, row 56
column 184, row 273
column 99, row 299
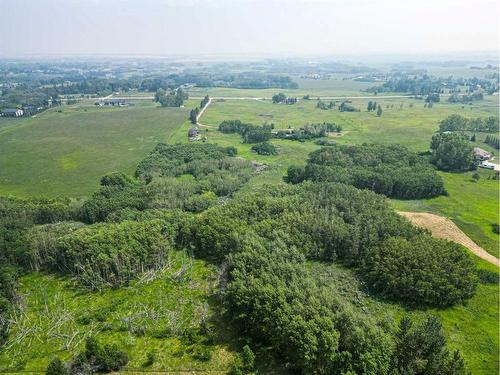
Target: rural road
column 263, row 98
column 198, row 123
column 442, row 227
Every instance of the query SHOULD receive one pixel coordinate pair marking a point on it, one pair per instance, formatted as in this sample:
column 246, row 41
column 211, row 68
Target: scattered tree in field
column 279, row 98
column 265, row 148
column 473, row 138
column 432, row 98
column 346, row 107
column 379, row 111
column 193, row 115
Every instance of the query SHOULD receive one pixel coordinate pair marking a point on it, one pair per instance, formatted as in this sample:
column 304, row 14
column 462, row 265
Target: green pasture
column 64, row 151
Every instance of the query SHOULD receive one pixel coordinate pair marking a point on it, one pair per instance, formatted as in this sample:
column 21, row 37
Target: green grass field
column 65, row 153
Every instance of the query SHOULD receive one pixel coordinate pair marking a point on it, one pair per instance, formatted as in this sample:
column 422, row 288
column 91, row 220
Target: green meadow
column 65, row 151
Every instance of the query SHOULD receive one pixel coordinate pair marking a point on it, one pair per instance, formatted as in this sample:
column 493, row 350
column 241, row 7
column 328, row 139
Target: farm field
column 410, row 126
column 66, row 153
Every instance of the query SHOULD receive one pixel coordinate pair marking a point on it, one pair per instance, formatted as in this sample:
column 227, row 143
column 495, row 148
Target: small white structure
column 487, row 165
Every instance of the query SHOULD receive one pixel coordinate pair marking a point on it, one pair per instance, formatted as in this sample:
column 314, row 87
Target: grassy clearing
column 65, row 153
column 144, row 317
column 473, row 206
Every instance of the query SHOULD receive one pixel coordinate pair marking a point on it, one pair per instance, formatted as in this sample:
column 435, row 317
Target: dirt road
column 442, row 227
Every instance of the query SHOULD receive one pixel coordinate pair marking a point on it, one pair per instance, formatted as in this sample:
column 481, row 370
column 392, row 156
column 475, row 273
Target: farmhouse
column 193, row 134
column 481, row 154
column 12, row 112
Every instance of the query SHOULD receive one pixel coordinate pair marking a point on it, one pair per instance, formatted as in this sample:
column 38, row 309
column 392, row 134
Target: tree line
column 194, row 113
column 459, row 123
column 492, row 141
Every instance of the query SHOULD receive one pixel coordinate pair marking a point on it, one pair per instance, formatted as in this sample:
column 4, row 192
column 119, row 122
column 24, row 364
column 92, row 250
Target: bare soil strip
column 442, row 227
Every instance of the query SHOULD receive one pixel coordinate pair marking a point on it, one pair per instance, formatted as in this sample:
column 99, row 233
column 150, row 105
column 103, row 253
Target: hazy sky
column 292, row 27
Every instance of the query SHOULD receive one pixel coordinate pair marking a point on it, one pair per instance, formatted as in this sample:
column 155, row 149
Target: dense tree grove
column 174, row 98
column 424, row 84
column 263, row 242
column 390, row 170
column 249, row 133
column 214, row 173
column 272, row 297
column 452, row 152
column 105, row 254
column 391, row 266
column 460, row 123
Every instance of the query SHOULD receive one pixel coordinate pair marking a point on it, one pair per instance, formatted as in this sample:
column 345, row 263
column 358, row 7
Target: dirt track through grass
column 442, row 227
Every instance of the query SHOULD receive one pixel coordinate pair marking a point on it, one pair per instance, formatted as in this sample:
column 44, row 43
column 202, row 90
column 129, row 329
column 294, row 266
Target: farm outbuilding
column 12, row 112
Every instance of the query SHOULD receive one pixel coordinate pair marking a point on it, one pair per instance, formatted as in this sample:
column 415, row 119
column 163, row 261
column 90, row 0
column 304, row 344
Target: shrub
column 248, row 358
column 150, row 359
column 265, row 148
column 97, row 358
column 56, row 367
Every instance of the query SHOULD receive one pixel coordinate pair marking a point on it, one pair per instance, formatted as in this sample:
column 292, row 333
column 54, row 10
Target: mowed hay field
column 66, row 153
